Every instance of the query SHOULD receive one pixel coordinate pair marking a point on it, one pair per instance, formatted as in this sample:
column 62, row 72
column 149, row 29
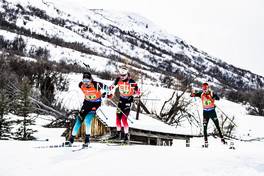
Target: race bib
column 90, row 97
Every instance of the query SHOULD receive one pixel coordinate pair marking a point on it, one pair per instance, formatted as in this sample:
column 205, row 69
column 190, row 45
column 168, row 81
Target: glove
column 192, row 93
column 110, row 96
column 138, row 92
column 103, row 94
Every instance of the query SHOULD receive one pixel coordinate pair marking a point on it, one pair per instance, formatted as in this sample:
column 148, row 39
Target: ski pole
column 120, row 110
column 151, row 99
column 103, row 113
column 200, row 120
column 232, row 121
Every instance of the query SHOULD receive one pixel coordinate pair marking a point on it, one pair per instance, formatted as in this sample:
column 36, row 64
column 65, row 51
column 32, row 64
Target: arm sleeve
column 80, row 84
column 196, row 94
column 116, row 81
column 215, row 96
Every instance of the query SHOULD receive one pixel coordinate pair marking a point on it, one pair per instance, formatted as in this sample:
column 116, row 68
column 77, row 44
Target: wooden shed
column 101, row 128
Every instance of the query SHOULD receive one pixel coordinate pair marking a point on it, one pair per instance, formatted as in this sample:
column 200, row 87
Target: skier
column 128, row 90
column 208, row 100
column 92, row 101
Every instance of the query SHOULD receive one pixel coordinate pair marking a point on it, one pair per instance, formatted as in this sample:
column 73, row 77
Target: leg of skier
column 125, row 124
column 205, row 124
column 75, row 130
column 88, row 120
column 117, row 134
column 216, row 122
column 118, row 124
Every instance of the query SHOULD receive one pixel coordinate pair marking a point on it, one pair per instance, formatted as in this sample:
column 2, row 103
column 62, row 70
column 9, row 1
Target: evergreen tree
column 24, row 107
column 5, row 124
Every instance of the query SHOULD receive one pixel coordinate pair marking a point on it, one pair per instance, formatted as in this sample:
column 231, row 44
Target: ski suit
column 209, row 112
column 127, row 88
column 91, row 103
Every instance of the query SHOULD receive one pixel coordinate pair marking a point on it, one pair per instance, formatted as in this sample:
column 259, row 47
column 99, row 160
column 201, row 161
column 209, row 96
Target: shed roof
column 145, row 122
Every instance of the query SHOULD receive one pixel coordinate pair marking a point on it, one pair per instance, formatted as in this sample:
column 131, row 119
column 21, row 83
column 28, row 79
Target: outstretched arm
column 196, row 94
column 215, row 96
column 112, row 88
column 80, row 84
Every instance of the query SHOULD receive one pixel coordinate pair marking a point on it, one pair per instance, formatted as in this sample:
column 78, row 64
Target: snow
column 21, row 158
column 25, row 158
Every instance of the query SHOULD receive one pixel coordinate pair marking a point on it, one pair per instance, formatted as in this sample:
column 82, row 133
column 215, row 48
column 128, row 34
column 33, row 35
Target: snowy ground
column 21, row 158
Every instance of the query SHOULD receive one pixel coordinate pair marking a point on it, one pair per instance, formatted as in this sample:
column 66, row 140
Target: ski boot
column 126, row 138
column 117, row 136
column 205, row 144
column 86, row 141
column 69, row 142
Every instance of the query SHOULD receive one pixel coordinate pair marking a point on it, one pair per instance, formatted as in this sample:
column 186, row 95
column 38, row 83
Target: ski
column 81, row 148
column 62, row 145
column 112, row 141
column 116, row 142
column 230, row 146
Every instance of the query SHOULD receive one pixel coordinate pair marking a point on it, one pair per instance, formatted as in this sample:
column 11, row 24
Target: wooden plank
column 135, row 133
column 138, row 109
column 157, row 134
column 144, row 107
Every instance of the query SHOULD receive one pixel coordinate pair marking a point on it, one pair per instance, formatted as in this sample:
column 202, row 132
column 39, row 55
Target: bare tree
column 227, row 125
column 256, row 102
column 175, row 109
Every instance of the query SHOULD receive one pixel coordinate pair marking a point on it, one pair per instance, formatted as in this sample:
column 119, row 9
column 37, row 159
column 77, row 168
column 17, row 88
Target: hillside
column 105, row 39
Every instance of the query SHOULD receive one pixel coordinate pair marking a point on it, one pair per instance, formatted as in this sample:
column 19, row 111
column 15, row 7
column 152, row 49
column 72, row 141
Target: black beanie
column 87, row 75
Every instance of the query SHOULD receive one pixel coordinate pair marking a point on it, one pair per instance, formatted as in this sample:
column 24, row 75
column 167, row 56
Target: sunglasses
column 123, row 75
column 86, row 80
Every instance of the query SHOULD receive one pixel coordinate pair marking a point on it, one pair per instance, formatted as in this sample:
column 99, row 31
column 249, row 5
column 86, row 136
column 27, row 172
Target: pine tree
column 5, row 124
column 24, row 107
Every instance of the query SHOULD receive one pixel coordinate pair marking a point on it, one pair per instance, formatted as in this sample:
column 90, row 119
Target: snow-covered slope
column 75, row 33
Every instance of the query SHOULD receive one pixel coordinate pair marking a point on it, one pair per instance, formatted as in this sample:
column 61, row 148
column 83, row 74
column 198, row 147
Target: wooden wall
column 97, row 129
